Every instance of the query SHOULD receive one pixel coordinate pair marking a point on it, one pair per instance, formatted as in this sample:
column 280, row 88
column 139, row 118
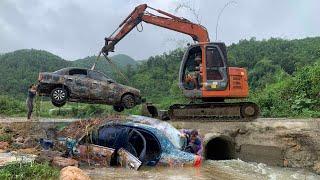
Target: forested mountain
column 121, row 60
column 284, row 75
column 265, row 58
column 20, row 68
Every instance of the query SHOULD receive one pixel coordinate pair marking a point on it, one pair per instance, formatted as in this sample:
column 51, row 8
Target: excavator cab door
column 215, row 63
column 190, row 76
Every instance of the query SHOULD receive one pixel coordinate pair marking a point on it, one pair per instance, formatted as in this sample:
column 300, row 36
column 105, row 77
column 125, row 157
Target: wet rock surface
column 62, row 162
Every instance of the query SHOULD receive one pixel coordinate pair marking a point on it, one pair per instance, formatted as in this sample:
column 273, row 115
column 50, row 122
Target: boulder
column 73, row 173
column 4, row 145
column 47, row 156
column 64, row 162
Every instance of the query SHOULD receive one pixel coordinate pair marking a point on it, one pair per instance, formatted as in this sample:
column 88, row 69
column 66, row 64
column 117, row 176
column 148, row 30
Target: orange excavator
column 204, row 74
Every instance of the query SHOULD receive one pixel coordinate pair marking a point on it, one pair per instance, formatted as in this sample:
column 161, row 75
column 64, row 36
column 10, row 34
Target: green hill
column 284, row 75
column 265, row 58
column 102, row 65
column 20, row 68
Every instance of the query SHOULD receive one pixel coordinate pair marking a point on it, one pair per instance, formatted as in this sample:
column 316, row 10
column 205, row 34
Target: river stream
column 227, row 169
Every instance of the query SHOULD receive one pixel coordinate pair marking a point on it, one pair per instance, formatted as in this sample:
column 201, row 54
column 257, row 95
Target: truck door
column 216, row 69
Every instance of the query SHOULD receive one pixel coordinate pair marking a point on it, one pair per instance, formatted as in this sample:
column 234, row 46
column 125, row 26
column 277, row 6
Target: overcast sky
column 75, row 29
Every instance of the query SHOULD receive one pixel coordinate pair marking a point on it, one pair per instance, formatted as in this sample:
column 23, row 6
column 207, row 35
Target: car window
column 98, row 76
column 78, row 72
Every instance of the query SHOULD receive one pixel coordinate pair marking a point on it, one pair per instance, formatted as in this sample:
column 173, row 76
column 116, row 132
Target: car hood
column 167, row 129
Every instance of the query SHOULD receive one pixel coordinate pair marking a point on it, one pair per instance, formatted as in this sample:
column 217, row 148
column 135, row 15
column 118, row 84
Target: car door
column 103, row 87
column 78, row 83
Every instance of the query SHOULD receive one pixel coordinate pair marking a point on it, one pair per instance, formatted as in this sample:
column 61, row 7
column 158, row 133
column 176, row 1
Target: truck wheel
column 128, row 101
column 118, row 108
column 59, row 95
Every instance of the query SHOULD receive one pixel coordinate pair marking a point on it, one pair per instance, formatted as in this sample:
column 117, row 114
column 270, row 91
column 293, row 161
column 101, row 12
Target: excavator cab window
column 214, row 61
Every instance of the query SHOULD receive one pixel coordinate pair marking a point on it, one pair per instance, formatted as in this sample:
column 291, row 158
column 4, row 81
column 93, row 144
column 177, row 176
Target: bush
column 28, row 171
column 294, row 96
column 11, row 106
column 5, row 137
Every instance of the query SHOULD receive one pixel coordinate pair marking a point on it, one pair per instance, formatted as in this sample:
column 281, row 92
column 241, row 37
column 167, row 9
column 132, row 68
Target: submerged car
column 128, row 141
column 88, row 86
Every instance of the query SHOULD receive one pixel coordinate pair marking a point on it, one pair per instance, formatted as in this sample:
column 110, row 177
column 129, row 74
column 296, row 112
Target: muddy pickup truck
column 86, row 86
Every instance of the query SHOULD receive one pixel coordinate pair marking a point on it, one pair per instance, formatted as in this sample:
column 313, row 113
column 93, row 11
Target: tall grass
column 28, row 171
column 44, row 108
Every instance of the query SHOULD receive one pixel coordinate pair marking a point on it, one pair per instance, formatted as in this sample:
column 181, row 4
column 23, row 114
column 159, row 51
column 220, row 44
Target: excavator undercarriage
column 210, row 111
column 215, row 111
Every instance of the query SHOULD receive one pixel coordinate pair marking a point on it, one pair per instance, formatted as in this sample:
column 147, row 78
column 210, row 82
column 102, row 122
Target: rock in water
column 4, row 145
column 73, row 173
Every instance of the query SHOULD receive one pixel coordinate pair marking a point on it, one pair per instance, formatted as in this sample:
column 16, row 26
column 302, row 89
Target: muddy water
column 230, row 169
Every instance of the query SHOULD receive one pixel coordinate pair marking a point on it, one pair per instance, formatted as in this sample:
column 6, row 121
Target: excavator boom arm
column 139, row 14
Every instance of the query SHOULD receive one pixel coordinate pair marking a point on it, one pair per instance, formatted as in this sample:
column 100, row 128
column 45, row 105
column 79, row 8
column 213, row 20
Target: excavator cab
column 204, row 67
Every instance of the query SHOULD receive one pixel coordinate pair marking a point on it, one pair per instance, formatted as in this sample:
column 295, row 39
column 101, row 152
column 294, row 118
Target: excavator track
column 215, row 111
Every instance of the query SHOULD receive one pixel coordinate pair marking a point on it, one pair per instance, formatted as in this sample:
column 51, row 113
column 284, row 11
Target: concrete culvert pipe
column 220, row 148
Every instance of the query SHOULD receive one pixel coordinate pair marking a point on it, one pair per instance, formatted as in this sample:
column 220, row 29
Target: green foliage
column 11, row 106
column 297, row 95
column 157, row 78
column 288, row 54
column 283, row 77
column 5, row 137
column 73, row 110
column 20, row 68
column 121, row 61
column 28, row 171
